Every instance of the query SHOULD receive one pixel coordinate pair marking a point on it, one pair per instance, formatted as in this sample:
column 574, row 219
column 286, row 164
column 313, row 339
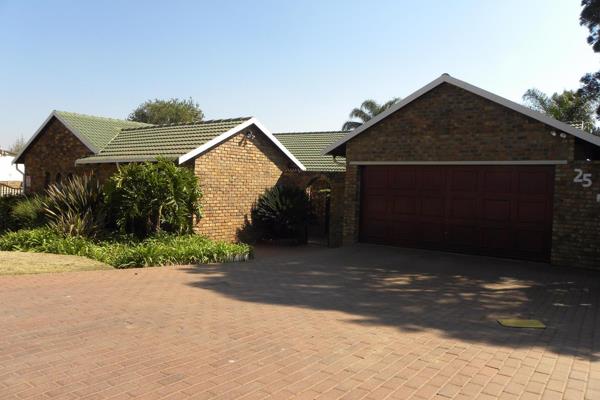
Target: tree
column 590, row 17
column 368, row 109
column 173, row 111
column 568, row 106
column 17, row 145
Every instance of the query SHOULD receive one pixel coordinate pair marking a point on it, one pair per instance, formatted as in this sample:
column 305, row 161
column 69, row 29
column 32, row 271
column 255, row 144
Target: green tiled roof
column 170, row 141
column 307, row 147
column 99, row 131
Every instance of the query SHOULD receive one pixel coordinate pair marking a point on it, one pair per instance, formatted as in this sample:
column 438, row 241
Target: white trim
column 226, row 135
column 78, row 135
column 445, row 78
column 491, row 162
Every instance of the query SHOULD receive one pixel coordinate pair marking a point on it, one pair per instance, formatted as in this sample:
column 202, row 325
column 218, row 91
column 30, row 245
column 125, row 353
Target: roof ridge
column 209, row 121
column 100, row 117
column 308, row 132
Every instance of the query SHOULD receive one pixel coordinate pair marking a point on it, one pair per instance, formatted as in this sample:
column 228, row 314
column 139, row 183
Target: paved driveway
column 360, row 322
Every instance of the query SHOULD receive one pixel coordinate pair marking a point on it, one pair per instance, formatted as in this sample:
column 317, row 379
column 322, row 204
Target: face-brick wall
column 576, row 227
column 55, row 151
column 232, row 175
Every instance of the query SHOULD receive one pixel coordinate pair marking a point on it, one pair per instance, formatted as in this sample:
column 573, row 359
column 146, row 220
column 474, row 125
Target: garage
column 453, row 167
column 480, row 209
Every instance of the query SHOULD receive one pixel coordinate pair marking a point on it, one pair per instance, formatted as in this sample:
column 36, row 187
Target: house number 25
column 584, row 178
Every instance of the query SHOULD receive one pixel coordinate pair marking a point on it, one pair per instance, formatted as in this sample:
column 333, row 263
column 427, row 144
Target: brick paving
column 362, row 322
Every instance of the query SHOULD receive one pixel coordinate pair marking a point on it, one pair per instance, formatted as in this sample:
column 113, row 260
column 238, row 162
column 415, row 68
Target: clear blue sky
column 296, row 66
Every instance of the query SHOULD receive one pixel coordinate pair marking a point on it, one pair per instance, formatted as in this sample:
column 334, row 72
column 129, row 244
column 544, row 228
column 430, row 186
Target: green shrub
column 148, row 198
column 75, row 207
column 29, row 212
column 282, row 212
column 7, row 203
column 125, row 252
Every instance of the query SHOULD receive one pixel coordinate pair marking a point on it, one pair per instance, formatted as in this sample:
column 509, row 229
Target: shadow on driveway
column 458, row 296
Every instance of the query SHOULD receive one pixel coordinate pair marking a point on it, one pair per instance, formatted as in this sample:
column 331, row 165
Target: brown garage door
column 495, row 210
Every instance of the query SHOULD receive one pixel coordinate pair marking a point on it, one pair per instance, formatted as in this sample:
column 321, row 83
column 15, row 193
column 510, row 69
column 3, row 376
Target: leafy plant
column 75, row 207
column 148, row 198
column 125, row 252
column 282, row 212
column 173, row 111
column 7, row 204
column 29, row 212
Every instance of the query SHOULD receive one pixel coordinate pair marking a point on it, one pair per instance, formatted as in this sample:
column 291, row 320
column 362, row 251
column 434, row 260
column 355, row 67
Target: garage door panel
column 497, row 181
column 464, row 180
column 403, row 205
column 432, row 206
column 463, row 208
column 496, row 210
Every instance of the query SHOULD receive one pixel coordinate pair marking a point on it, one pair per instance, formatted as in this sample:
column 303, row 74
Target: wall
column 55, row 150
column 232, row 175
column 576, row 228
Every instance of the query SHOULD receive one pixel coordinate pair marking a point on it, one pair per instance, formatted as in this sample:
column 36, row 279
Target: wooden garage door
column 503, row 211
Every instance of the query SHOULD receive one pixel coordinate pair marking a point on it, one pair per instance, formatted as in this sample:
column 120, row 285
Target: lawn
column 18, row 263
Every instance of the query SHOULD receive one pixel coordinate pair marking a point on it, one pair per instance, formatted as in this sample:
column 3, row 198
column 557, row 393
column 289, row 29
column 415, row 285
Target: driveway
column 357, row 322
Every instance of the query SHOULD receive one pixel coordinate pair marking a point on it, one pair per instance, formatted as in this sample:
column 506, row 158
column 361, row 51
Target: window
column 70, row 176
column 47, row 179
column 58, row 178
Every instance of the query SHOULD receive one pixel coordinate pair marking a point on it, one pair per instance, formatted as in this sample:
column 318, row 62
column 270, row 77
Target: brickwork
column 576, row 228
column 336, row 181
column 54, row 152
column 232, row 176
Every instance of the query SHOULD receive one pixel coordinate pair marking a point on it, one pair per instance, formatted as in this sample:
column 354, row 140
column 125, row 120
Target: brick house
column 234, row 159
column 454, row 167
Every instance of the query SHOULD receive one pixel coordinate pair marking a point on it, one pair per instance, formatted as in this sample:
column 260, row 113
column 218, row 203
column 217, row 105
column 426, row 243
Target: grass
column 19, row 263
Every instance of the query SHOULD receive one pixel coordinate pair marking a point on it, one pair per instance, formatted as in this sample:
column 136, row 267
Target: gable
column 53, row 139
column 338, row 148
column 449, row 123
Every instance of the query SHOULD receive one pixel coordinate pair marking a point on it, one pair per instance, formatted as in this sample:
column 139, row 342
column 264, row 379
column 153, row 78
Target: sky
column 296, row 65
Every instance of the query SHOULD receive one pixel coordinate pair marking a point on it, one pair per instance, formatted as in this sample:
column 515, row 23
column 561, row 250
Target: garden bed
column 126, row 252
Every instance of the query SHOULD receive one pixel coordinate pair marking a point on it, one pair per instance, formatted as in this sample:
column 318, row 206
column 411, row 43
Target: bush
column 7, row 203
column 29, row 212
column 145, row 199
column 127, row 252
column 75, row 207
column 17, row 212
column 282, row 212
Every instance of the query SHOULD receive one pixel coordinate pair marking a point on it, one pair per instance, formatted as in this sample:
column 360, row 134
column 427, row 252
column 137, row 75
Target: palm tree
column 368, row 109
column 568, row 107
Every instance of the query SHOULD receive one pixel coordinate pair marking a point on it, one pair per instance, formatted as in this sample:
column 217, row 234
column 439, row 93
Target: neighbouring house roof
column 170, row 141
column 308, row 147
column 9, row 171
column 339, row 146
column 98, row 130
column 94, row 132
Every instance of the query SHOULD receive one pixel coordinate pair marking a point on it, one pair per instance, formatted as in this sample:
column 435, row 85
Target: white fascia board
column 561, row 126
column 39, row 130
column 237, row 129
column 483, row 162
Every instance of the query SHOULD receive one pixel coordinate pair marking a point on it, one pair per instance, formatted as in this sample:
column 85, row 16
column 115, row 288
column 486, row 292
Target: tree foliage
column 568, row 106
column 173, row 111
column 149, row 198
column 17, row 145
column 590, row 18
column 367, row 110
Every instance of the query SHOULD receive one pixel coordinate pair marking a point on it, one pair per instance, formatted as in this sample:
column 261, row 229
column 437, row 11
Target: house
column 11, row 175
column 234, row 159
column 453, row 167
